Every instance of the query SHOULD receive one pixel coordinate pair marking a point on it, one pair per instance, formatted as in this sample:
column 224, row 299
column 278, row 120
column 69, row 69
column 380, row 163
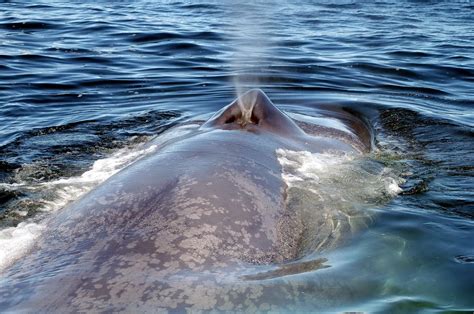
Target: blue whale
column 180, row 229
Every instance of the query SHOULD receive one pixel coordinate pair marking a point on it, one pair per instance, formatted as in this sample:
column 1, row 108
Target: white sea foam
column 16, row 241
column 336, row 192
column 342, row 174
column 69, row 189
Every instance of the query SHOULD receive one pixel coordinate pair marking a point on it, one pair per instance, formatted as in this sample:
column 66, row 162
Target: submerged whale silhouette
column 179, row 229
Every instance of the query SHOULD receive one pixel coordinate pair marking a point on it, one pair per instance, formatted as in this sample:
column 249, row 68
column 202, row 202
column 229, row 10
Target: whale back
column 181, row 228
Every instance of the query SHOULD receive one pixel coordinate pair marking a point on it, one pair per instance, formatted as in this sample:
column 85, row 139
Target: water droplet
column 464, row 259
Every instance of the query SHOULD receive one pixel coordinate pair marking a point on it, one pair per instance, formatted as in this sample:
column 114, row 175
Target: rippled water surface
column 82, row 81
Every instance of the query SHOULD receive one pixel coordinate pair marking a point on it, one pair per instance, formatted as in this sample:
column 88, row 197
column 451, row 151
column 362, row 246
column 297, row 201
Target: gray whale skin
column 182, row 228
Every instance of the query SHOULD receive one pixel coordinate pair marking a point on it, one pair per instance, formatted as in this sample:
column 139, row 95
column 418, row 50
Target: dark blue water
column 80, row 81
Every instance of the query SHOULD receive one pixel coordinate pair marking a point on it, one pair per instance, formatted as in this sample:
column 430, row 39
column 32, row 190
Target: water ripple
column 79, row 80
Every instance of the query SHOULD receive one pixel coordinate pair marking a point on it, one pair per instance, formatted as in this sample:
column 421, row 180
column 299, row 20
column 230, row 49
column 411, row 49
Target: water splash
column 16, row 241
column 333, row 194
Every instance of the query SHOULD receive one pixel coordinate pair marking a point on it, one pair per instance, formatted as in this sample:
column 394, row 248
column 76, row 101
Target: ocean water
column 83, row 84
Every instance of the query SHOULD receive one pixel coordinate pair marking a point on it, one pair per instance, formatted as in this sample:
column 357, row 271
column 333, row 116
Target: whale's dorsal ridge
column 253, row 109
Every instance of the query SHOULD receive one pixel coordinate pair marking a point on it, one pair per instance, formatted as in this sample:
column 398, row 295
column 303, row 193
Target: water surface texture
column 82, row 82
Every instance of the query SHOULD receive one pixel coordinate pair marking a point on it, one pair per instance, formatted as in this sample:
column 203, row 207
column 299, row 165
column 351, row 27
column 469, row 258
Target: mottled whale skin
column 177, row 230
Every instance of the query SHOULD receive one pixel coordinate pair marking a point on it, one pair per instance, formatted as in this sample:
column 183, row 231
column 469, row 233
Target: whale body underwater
column 186, row 227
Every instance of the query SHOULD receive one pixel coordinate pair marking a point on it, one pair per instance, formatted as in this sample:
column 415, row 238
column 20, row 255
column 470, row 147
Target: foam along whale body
column 180, row 228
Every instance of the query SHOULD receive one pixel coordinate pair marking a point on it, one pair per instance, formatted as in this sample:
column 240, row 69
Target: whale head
column 254, row 112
